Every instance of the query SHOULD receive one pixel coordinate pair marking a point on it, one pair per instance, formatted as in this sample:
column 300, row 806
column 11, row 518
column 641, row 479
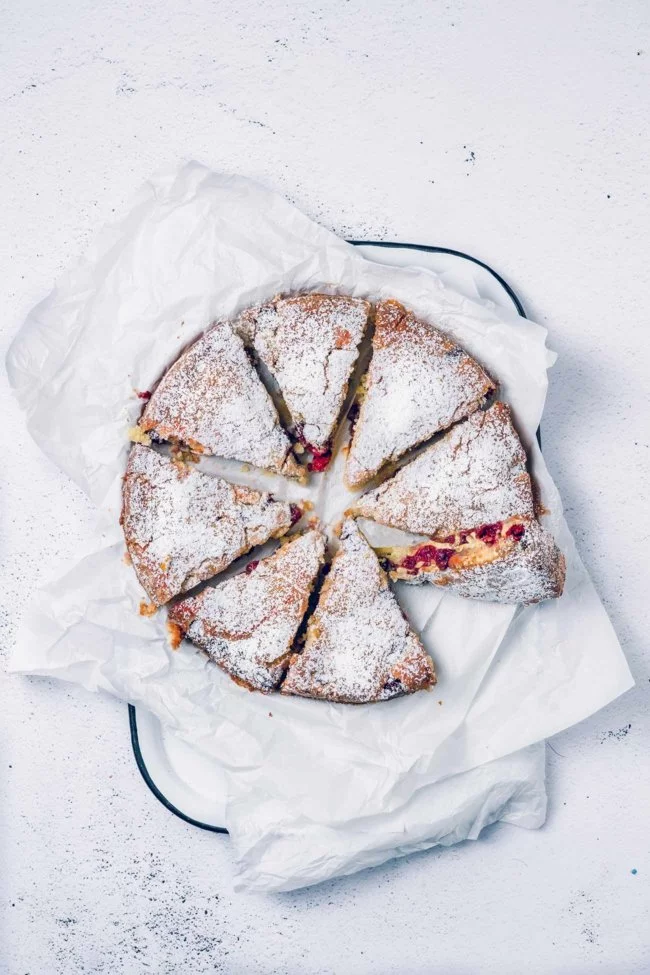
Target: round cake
column 420, row 433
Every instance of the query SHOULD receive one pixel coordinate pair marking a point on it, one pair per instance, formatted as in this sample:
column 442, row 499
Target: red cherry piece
column 145, row 394
column 442, row 557
column 296, row 513
column 320, row 462
column 517, row 532
column 490, row 533
column 427, row 555
column 409, row 563
column 252, row 566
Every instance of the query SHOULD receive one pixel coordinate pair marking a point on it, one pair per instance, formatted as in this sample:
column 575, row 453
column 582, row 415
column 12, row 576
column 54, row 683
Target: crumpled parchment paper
column 314, row 790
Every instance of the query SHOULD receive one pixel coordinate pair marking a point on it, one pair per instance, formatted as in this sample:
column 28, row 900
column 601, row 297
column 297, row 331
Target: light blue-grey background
column 517, row 132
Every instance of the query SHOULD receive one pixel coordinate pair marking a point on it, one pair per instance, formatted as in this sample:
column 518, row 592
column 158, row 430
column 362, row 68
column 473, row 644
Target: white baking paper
column 314, row 790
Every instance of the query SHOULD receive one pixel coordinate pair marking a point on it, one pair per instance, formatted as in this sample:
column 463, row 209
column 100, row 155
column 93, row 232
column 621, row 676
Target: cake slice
column 212, row 400
column 514, row 561
column 418, row 383
column 309, row 343
column 359, row 647
column 475, row 475
column 182, row 526
column 248, row 623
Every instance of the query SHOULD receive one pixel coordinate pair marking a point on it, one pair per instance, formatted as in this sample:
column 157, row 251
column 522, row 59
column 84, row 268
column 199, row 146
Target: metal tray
column 185, row 782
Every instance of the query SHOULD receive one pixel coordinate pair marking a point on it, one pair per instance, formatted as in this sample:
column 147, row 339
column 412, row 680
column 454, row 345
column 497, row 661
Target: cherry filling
column 321, row 460
column 252, row 566
column 489, row 533
column 451, row 539
column 320, row 457
column 145, row 394
column 296, row 513
column 429, row 554
column 426, row 555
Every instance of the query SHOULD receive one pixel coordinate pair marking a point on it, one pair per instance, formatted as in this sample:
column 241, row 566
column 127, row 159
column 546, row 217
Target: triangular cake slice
column 248, row 623
column 475, row 475
column 359, row 647
column 182, row 526
column 418, row 383
column 514, row 561
column 212, row 400
column 309, row 343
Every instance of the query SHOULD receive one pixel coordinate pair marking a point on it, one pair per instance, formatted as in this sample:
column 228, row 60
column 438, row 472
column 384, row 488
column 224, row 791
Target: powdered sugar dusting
column 213, row 400
column 247, row 624
column 310, row 344
column 359, row 646
column 475, row 475
column 529, row 571
column 419, row 382
column 182, row 526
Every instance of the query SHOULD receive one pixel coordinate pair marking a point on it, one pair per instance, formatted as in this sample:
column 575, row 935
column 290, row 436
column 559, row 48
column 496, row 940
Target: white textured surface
column 516, row 134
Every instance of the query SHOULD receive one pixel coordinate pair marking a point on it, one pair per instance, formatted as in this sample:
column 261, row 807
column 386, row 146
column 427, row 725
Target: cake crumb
column 137, row 435
column 175, row 635
column 147, row 609
column 183, row 455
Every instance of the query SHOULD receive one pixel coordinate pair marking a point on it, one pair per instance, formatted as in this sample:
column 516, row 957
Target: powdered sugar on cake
column 475, row 475
column 359, row 647
column 469, row 492
column 213, row 400
column 247, row 624
column 310, row 344
column 182, row 526
column 419, row 382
